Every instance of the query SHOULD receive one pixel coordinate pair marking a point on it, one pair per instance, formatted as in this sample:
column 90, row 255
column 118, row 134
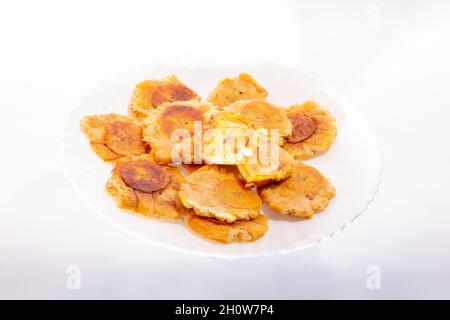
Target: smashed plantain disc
column 169, row 119
column 149, row 94
column 113, row 136
column 267, row 116
column 313, row 133
column 264, row 166
column 231, row 90
column 305, row 192
column 217, row 192
column 143, row 186
column 226, row 138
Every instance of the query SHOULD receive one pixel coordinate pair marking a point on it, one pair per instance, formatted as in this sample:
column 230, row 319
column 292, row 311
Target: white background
column 389, row 58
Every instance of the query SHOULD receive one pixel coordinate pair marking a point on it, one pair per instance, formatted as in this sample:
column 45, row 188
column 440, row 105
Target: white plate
column 353, row 164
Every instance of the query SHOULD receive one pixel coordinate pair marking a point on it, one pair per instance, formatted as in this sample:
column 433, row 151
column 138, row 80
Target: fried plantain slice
column 305, row 192
column 267, row 116
column 139, row 184
column 163, row 124
column 265, row 166
column 314, row 131
column 149, row 94
column 244, row 87
column 113, row 136
column 239, row 231
column 217, row 192
column 226, row 138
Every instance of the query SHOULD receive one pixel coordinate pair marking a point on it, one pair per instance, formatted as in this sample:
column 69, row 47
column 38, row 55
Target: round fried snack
column 239, row 231
column 229, row 90
column 313, row 133
column 217, row 192
column 226, row 138
column 268, row 116
column 305, row 192
column 264, row 166
column 113, row 136
column 176, row 119
column 140, row 185
column 149, row 94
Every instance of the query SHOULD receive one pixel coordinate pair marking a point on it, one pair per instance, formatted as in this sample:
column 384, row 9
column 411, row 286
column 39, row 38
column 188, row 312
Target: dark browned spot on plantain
column 143, row 176
column 303, row 127
column 124, row 138
column 179, row 117
column 171, row 93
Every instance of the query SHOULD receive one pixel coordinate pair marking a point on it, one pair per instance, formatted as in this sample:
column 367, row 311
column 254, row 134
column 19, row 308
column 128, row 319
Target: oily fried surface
column 113, row 136
column 305, row 192
column 303, row 127
column 239, row 231
column 143, row 175
column 264, row 166
column 170, row 118
column 229, row 90
column 217, row 192
column 267, row 115
column 314, row 130
column 227, row 137
column 140, row 185
column 149, row 94
column 190, row 168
